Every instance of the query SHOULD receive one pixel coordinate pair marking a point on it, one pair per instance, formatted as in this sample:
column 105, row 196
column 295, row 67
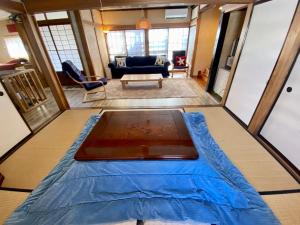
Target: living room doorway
column 91, row 69
column 227, row 41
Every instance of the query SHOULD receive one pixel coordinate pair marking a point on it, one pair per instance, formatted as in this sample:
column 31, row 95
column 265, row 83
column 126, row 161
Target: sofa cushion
column 91, row 86
column 145, row 69
column 121, row 61
column 140, row 61
column 160, row 60
column 180, row 61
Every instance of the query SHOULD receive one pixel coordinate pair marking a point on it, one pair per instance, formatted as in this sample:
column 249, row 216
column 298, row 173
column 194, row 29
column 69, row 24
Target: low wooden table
column 134, row 135
column 141, row 78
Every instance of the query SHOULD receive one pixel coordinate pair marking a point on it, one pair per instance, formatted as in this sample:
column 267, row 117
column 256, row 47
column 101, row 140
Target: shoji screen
column 282, row 128
column 268, row 28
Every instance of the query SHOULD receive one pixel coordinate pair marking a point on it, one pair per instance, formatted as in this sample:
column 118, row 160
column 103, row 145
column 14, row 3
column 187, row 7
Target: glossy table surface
column 134, row 135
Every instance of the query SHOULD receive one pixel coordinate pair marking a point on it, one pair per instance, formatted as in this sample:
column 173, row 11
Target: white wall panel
column 191, row 44
column 268, row 28
column 282, row 128
column 12, row 127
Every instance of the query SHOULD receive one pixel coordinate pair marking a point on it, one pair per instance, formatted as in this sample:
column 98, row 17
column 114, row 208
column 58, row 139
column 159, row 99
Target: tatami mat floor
column 34, row 160
column 9, row 201
column 286, row 207
column 253, row 160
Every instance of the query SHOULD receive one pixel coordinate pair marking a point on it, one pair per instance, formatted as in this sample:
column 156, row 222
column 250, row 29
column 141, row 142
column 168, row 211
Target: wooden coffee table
column 141, row 78
column 138, row 135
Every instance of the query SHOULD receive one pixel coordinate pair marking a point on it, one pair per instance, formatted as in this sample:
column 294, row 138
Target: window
column 161, row 42
column 57, row 15
column 178, row 40
column 116, row 44
column 126, row 43
column 61, row 45
column 135, row 42
column 165, row 41
column 158, row 41
column 51, row 16
column 15, row 47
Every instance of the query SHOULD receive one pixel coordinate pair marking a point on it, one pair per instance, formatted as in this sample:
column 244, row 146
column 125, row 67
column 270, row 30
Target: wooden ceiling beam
column 35, row 6
column 12, row 6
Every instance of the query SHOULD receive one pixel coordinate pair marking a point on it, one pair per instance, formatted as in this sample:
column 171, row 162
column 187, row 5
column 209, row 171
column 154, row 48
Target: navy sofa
column 139, row 65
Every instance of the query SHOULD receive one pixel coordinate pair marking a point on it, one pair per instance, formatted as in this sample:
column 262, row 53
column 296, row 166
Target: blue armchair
column 90, row 86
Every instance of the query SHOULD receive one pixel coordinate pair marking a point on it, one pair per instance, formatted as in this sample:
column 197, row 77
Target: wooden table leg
column 160, row 83
column 1, row 179
column 123, row 84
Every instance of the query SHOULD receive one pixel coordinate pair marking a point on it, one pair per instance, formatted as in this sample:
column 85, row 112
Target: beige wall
column 102, row 44
column 208, row 26
column 4, row 56
column 92, row 42
column 129, row 17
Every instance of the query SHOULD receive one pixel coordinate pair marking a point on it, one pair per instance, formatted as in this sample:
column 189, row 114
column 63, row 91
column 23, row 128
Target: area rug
column 171, row 88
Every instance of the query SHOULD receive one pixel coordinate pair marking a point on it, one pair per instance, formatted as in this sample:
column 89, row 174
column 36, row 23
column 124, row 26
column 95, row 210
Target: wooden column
column 89, row 49
column 280, row 74
column 32, row 58
column 238, row 52
column 146, row 33
column 39, row 50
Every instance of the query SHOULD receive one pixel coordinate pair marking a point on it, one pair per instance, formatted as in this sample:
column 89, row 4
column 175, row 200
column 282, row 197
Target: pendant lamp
column 143, row 23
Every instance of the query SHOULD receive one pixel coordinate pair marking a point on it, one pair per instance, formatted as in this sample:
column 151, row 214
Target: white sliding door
column 282, row 128
column 12, row 127
column 268, row 28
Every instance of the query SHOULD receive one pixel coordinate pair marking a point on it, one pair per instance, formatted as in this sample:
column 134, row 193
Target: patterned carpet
column 171, row 88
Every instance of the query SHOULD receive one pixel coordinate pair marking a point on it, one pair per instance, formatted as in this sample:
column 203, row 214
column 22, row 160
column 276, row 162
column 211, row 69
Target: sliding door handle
column 1, row 93
column 289, row 89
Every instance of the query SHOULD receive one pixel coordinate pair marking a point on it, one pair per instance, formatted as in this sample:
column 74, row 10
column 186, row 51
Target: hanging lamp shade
column 104, row 28
column 144, row 24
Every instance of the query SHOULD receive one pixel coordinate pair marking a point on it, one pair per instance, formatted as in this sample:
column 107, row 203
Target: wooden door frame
column 220, row 37
column 239, row 49
column 39, row 50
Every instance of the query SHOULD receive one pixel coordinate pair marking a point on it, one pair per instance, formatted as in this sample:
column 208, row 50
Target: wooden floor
column 75, row 97
column 43, row 113
column 38, row 156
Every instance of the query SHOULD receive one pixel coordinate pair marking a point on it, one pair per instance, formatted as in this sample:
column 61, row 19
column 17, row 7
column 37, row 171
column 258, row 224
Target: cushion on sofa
column 140, row 61
column 160, row 60
column 120, row 61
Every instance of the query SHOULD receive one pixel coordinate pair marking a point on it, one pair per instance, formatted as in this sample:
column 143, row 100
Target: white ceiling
column 4, row 15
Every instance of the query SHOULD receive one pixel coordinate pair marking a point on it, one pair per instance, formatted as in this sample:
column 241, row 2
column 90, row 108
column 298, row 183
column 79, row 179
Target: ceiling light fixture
column 103, row 27
column 143, row 23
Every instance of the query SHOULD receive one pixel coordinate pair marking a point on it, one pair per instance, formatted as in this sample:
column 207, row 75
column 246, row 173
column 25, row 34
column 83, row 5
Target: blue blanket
column 209, row 190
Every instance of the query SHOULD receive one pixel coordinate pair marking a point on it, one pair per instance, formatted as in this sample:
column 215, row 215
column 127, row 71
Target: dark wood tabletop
column 134, row 135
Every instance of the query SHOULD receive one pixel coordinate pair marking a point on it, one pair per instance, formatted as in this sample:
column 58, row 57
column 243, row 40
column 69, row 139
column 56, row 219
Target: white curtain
column 15, row 47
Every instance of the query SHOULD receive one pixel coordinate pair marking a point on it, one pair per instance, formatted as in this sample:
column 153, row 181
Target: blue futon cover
column 209, row 190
